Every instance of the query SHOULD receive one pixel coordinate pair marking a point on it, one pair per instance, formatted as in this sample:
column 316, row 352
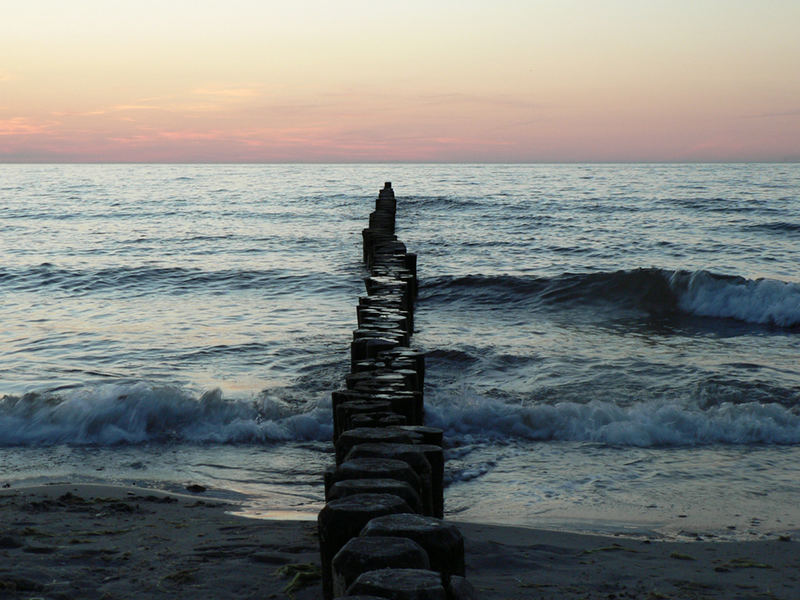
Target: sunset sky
column 372, row 80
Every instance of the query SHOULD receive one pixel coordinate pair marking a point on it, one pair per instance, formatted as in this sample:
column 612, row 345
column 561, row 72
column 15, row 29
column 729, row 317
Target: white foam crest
column 136, row 413
column 648, row 424
column 764, row 301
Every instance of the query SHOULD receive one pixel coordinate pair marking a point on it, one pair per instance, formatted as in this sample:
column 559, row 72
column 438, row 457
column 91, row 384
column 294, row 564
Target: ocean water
column 612, row 348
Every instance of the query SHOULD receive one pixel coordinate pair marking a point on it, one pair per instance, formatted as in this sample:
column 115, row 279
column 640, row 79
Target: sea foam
column 763, row 301
column 141, row 412
column 646, row 424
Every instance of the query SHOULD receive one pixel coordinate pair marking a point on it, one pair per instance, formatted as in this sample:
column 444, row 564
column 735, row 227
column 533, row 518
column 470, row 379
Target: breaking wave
column 656, row 291
column 138, row 413
column 647, row 424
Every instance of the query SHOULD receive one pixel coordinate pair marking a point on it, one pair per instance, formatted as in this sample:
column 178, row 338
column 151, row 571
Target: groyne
column 381, row 532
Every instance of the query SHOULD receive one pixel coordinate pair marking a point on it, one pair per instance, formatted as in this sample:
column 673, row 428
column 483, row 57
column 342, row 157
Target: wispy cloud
column 20, row 126
column 199, row 100
column 120, row 108
column 227, row 92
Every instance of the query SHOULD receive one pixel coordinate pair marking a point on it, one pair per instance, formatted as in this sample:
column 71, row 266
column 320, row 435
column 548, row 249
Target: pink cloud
column 22, row 126
column 235, row 124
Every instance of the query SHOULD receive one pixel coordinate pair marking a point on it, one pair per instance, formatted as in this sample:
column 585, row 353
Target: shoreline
column 113, row 542
column 683, row 524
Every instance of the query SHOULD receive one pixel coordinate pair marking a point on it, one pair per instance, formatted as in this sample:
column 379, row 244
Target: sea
column 611, row 348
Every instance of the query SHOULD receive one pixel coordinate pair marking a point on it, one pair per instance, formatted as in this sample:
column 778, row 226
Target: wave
column 654, row 291
column 776, row 227
column 648, row 424
column 139, row 413
column 762, row 301
column 117, row 414
column 442, row 202
column 720, row 204
column 145, row 279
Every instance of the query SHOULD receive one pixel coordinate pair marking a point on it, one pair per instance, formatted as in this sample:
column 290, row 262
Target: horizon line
column 410, row 162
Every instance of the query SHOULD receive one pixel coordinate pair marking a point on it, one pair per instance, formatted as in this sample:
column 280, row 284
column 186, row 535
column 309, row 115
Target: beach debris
column 611, row 548
column 181, row 577
column 139, row 498
column 33, row 531
column 19, row 584
column 71, row 499
column 744, row 563
column 196, row 488
column 695, row 587
column 302, row 574
column 40, row 549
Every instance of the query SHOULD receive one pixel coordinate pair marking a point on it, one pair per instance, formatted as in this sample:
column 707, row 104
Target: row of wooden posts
column 381, row 531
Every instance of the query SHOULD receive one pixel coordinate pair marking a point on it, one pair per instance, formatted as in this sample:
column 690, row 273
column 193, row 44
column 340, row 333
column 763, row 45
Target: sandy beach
column 108, row 542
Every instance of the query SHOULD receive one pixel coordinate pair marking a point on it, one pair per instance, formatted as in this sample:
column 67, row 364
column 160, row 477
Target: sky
column 416, row 81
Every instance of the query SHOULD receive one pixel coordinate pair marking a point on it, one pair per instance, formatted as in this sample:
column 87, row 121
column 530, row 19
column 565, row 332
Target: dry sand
column 106, row 542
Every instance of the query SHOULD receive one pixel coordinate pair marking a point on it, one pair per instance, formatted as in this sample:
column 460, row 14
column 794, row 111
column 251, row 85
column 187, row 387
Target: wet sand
column 107, row 542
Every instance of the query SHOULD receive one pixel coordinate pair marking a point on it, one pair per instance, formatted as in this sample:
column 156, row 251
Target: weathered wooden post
column 378, row 534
